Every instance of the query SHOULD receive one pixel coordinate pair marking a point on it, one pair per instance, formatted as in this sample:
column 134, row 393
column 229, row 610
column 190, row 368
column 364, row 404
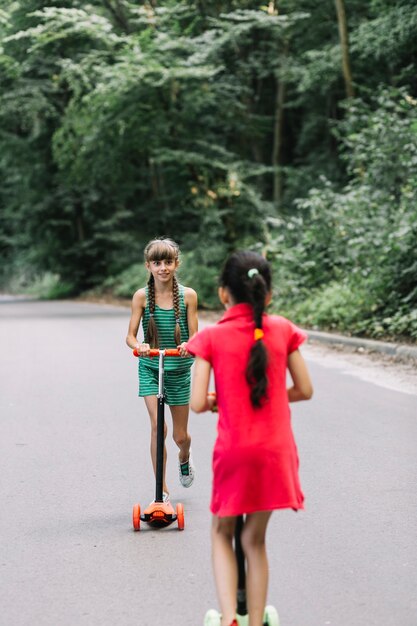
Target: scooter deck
column 159, row 514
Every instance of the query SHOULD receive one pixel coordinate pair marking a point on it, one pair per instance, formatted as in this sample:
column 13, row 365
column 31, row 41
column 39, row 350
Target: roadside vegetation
column 288, row 127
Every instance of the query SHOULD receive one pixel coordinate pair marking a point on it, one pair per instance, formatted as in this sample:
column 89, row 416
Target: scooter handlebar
column 155, row 352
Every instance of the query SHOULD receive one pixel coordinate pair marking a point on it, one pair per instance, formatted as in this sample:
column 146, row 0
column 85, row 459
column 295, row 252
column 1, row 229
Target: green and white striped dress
column 177, row 370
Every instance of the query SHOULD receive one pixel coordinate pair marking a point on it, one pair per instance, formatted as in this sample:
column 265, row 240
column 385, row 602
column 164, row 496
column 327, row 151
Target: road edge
column 395, row 350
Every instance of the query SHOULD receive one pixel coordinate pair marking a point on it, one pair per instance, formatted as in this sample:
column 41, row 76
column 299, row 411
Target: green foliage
column 120, row 121
column 352, row 253
column 127, row 282
column 338, row 305
column 352, row 308
column 49, row 286
column 199, row 269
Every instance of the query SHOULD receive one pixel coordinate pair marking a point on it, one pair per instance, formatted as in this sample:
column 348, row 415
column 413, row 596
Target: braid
column 152, row 331
column 177, row 311
column 257, row 293
column 247, row 275
column 258, row 358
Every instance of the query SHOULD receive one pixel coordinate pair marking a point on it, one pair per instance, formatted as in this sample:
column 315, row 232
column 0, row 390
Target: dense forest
column 288, row 127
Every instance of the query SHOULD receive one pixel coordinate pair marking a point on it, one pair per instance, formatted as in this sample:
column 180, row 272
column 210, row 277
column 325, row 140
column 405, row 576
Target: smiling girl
column 168, row 312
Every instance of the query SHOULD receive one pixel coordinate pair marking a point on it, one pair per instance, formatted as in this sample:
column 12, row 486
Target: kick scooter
column 213, row 617
column 159, row 513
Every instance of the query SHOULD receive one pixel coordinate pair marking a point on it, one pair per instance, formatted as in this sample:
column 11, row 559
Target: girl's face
column 163, row 270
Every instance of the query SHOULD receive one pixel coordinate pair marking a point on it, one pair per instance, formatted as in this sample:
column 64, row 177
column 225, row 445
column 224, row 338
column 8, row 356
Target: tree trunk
column 79, row 223
column 281, row 89
column 280, row 95
column 154, row 179
column 344, row 44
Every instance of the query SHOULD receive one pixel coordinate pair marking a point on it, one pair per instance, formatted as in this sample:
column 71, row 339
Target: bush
column 125, row 284
column 335, row 306
column 348, row 260
column 351, row 307
column 49, row 286
column 200, row 269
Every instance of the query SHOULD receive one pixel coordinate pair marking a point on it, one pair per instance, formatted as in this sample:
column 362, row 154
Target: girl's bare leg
column 152, row 406
column 179, row 430
column 224, row 565
column 253, row 544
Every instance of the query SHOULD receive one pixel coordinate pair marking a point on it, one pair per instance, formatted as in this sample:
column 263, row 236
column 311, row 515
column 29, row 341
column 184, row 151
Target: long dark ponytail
column 247, row 275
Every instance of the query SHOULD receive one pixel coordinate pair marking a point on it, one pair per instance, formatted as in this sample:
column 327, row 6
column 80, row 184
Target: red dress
column 255, row 460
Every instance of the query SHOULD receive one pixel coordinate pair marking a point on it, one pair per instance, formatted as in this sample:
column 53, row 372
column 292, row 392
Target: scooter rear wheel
column 271, row 616
column 136, row 517
column 180, row 516
column 212, row 618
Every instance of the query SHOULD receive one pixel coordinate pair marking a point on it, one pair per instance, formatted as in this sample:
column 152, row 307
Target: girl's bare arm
column 200, row 402
column 138, row 306
column 302, row 389
column 191, row 302
column 190, row 299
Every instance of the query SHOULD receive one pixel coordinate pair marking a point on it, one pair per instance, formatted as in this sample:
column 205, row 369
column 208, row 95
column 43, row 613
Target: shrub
column 49, row 286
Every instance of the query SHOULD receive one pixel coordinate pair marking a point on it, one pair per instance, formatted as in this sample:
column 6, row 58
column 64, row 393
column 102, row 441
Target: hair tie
column 252, row 272
column 258, row 334
column 177, row 320
column 150, row 314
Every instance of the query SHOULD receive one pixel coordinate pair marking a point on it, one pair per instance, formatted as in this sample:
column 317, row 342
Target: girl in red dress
column 255, row 461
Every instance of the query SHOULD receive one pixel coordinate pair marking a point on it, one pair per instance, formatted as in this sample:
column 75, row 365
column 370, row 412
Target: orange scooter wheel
column 180, row 516
column 136, row 517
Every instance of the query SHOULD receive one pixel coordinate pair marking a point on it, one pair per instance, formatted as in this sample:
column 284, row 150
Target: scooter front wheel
column 271, row 616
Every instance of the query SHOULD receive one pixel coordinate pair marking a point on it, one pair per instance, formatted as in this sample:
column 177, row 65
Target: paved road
column 74, row 459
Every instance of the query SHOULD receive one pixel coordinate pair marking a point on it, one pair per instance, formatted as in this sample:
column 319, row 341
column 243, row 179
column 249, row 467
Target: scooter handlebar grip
column 172, row 352
column 155, row 352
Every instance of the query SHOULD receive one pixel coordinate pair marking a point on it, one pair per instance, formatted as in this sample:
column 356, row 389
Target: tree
column 344, row 44
column 220, row 123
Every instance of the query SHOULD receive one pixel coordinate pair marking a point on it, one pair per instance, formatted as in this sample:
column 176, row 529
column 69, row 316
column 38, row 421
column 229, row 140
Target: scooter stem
column 160, row 427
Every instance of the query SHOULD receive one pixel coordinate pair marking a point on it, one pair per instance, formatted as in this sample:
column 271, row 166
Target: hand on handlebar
column 212, row 402
column 143, row 349
column 182, row 349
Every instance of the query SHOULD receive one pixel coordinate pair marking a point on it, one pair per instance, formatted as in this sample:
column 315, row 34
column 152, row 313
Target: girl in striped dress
column 168, row 312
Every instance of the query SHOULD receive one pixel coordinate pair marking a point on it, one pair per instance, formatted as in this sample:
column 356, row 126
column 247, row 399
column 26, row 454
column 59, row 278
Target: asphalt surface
column 74, row 459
